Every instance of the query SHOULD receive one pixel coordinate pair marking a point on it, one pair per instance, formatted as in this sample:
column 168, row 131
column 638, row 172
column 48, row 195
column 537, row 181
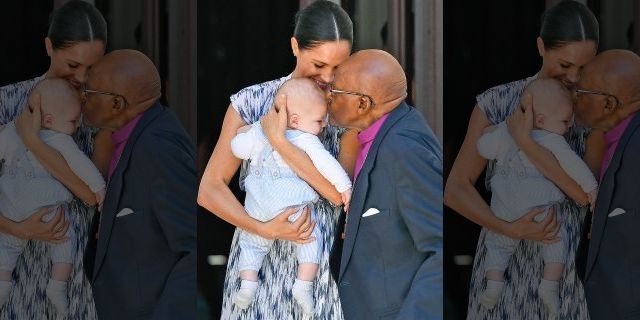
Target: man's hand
column 545, row 231
column 274, row 123
column 35, row 228
column 281, row 228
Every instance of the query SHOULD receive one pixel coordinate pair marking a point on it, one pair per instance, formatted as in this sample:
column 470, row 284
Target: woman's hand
column 520, row 122
column 35, row 228
column 281, row 228
column 545, row 231
column 274, row 123
column 28, row 123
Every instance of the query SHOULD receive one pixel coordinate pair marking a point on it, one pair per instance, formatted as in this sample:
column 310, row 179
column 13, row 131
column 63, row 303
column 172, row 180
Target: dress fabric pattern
column 519, row 299
column 273, row 299
column 28, row 299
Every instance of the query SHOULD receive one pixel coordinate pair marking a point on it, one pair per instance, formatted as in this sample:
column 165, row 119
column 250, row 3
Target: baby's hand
column 100, row 198
column 592, row 199
column 346, row 199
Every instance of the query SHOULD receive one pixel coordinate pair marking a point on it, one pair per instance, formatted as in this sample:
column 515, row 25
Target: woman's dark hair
column 568, row 21
column 320, row 22
column 76, row 21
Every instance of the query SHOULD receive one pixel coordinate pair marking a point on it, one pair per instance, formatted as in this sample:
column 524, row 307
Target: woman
column 322, row 40
column 76, row 39
column 568, row 40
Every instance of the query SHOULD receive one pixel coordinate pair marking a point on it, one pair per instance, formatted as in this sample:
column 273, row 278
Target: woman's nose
column 327, row 77
column 573, row 75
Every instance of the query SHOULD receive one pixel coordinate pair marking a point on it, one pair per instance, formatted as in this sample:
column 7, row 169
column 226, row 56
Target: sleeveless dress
column 28, row 299
column 273, row 300
column 519, row 298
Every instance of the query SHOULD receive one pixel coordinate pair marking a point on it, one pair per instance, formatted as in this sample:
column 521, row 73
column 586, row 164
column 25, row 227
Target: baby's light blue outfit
column 26, row 186
column 272, row 187
column 518, row 187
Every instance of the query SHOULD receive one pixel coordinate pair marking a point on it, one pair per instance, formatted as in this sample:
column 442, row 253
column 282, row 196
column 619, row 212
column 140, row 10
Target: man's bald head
column 614, row 72
column 374, row 73
column 379, row 74
column 127, row 74
column 131, row 74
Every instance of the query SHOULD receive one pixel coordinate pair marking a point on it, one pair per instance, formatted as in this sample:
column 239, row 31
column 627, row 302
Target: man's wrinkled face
column 97, row 109
column 590, row 109
column 343, row 108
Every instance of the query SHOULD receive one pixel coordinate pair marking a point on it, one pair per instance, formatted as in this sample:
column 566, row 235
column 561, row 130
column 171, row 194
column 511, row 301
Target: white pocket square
column 124, row 212
column 616, row 212
column 370, row 212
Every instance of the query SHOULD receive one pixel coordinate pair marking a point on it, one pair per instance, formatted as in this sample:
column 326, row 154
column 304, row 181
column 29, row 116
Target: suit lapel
column 114, row 190
column 605, row 195
column 361, row 185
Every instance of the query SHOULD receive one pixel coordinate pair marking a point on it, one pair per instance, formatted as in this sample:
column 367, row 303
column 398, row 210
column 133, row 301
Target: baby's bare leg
column 553, row 271
column 549, row 289
column 61, row 271
column 307, row 271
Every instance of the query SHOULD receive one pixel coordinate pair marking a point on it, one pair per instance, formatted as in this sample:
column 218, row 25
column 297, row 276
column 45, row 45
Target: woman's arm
column 28, row 126
column 102, row 150
column 214, row 193
column 349, row 148
column 461, row 195
column 520, row 125
column 35, row 228
column 274, row 124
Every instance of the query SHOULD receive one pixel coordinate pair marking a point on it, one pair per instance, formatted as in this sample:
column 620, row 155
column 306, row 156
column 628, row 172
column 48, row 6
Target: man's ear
column 48, row 45
column 364, row 105
column 611, row 105
column 118, row 104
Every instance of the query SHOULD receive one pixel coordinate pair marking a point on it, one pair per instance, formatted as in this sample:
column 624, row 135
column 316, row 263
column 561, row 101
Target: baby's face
column 66, row 122
column 558, row 121
column 311, row 120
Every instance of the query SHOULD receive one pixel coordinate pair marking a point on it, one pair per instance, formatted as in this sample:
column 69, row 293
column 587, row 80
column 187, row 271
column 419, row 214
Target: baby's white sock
column 303, row 293
column 5, row 289
column 57, row 293
column 550, row 295
column 491, row 293
column 244, row 296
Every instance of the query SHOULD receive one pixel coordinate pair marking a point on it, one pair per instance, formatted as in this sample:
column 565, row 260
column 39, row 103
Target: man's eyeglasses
column 84, row 91
column 599, row 93
column 332, row 91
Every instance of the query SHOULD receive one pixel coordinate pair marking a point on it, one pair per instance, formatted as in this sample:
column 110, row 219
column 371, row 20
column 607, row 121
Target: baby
column 517, row 187
column 273, row 187
column 26, row 186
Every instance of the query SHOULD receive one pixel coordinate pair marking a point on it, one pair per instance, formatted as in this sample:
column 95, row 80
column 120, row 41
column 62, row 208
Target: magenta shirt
column 366, row 138
column 612, row 138
column 119, row 138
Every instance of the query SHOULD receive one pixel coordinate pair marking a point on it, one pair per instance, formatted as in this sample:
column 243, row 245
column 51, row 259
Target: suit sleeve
column 419, row 195
column 570, row 162
column 174, row 205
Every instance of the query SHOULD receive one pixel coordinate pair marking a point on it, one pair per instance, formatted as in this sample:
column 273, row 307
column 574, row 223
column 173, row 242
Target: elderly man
column 608, row 97
column 390, row 261
column 145, row 260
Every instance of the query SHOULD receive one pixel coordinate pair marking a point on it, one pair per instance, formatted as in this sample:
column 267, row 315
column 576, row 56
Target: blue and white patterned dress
column 273, row 299
column 519, row 299
column 28, row 299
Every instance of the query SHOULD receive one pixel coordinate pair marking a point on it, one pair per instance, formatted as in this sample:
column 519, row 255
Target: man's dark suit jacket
column 145, row 259
column 390, row 263
column 612, row 279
